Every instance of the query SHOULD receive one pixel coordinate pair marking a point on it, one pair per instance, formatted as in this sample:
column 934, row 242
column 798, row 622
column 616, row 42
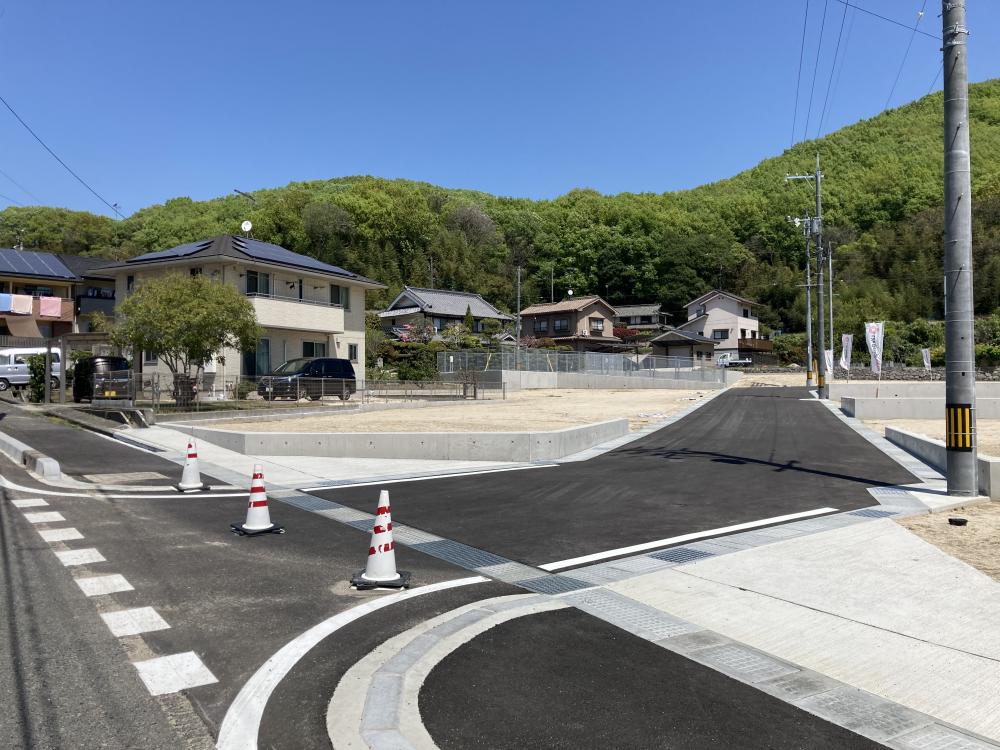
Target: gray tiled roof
column 448, row 303
column 679, row 334
column 626, row 311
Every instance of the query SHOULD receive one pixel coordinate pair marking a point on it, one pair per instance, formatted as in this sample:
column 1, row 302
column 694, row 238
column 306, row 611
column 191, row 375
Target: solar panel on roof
column 276, row 254
column 30, row 263
column 175, row 252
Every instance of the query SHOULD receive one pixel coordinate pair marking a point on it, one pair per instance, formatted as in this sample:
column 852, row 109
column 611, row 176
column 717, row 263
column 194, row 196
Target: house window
column 129, row 284
column 149, row 358
column 560, row 325
column 340, row 295
column 720, row 334
column 313, row 348
column 259, row 283
column 746, row 312
column 196, row 271
column 743, row 333
column 597, row 324
column 541, row 325
column 634, row 320
column 439, row 324
column 300, row 290
column 352, row 352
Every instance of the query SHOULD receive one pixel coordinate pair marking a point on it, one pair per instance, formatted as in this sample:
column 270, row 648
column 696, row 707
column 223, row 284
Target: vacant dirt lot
column 523, row 410
column 977, row 544
column 987, row 430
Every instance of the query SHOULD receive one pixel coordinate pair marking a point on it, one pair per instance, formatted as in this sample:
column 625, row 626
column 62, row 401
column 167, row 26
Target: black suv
column 311, row 378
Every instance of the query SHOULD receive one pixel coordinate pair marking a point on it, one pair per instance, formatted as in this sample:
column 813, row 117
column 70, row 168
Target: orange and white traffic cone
column 191, row 477
column 258, row 517
column 380, row 571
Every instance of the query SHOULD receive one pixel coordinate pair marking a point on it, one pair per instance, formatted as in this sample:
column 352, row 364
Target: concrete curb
column 933, row 453
column 32, row 460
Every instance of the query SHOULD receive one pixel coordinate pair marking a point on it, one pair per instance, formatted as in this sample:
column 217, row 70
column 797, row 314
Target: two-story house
column 644, row 317
column 439, row 308
column 729, row 321
column 307, row 308
column 585, row 323
column 36, row 294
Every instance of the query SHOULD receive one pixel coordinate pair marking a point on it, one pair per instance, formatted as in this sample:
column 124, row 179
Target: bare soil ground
column 523, row 410
column 791, row 377
column 977, row 543
column 987, row 430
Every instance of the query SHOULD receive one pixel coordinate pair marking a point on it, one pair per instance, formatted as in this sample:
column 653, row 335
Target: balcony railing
column 756, row 345
column 291, row 298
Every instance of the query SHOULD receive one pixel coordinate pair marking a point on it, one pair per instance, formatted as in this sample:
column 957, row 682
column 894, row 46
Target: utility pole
column 817, row 231
column 517, row 343
column 829, row 259
column 809, row 314
column 960, row 365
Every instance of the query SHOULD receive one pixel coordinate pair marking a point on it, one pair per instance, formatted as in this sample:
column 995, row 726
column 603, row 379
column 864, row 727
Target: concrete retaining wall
column 464, row 446
column 888, row 389
column 911, row 408
column 933, row 453
column 708, row 379
column 26, row 456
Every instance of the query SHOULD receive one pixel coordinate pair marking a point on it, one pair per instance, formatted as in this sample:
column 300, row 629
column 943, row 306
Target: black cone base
column 202, row 488
column 241, row 531
column 401, row 581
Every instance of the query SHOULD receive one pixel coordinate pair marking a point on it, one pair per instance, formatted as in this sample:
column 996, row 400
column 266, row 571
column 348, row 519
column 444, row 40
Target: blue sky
column 149, row 101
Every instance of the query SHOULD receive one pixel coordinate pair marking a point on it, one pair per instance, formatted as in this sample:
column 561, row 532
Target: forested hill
column 882, row 204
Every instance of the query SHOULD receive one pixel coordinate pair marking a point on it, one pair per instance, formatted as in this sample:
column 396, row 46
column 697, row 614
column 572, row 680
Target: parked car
column 14, row 366
column 108, row 377
column 309, row 377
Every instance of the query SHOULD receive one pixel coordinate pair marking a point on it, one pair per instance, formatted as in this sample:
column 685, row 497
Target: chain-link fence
column 589, row 363
column 166, row 393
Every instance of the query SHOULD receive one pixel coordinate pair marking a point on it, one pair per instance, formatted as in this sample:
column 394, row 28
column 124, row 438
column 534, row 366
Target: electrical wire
column 21, row 187
column 9, row 200
column 884, row 18
column 819, row 47
column 798, row 77
column 833, row 68
column 902, row 64
column 937, row 75
column 56, row 157
column 843, row 60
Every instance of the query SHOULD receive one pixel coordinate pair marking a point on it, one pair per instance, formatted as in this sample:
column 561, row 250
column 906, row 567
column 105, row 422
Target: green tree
column 469, row 322
column 185, row 320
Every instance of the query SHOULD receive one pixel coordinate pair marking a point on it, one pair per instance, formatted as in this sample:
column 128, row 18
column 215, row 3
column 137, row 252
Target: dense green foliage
column 882, row 201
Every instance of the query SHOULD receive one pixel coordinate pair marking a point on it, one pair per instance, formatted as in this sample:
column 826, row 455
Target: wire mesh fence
column 588, row 363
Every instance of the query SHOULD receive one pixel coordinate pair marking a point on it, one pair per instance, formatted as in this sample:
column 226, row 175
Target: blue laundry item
column 4, row 303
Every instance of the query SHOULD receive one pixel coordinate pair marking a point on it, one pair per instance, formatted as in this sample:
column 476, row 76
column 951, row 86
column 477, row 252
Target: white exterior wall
column 287, row 323
column 727, row 314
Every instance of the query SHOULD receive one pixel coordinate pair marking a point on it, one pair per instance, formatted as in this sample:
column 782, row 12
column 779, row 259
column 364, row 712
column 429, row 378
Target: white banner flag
column 926, row 354
column 828, row 353
column 874, row 333
column 846, row 344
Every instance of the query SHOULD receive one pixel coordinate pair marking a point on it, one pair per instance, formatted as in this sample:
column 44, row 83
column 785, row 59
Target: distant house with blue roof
column 307, row 308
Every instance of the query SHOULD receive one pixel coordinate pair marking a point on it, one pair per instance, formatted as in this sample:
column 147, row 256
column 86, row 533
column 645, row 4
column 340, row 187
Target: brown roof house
column 585, row 323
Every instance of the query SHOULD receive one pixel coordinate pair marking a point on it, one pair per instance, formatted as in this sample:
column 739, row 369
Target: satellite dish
column 246, row 226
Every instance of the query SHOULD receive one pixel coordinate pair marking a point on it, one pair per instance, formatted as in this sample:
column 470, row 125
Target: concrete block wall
column 933, row 453
column 464, row 446
column 903, row 389
column 911, row 408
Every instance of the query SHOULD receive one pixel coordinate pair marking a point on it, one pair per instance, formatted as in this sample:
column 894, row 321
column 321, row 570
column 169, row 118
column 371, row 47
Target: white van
column 14, row 367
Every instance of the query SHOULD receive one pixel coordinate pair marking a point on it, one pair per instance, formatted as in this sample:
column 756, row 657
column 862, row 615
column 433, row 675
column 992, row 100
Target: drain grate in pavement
column 873, row 513
column 743, row 662
column 629, row 615
column 680, row 555
column 937, row 737
column 460, row 554
column 364, row 524
column 552, row 585
column 307, row 502
column 887, row 491
column 863, row 713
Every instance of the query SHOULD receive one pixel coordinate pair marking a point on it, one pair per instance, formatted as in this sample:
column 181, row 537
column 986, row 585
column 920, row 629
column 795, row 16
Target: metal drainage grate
column 680, row 555
column 873, row 513
column 307, row 502
column 460, row 554
column 552, row 585
column 362, row 525
column 891, row 491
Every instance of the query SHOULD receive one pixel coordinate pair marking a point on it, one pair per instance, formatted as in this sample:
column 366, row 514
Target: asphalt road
column 749, row 454
column 567, row 681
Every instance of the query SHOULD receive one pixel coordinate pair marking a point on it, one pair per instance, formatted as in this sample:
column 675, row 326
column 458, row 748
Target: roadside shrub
column 36, row 378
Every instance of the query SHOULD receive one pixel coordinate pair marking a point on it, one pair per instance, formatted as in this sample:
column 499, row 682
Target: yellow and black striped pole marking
column 958, row 427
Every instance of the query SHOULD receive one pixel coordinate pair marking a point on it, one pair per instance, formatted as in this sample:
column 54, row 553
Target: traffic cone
column 258, row 517
column 380, row 571
column 191, row 477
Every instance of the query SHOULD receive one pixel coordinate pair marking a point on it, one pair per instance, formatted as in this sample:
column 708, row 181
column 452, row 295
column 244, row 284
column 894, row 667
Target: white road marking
column 60, row 535
column 134, row 621
column 421, row 479
column 170, row 674
column 242, row 720
column 79, row 556
column 31, row 502
column 682, row 538
column 4, row 482
column 129, row 476
column 49, row 517
column 101, row 585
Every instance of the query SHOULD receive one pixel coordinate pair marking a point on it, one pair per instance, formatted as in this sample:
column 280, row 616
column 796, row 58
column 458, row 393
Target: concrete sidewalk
column 870, row 605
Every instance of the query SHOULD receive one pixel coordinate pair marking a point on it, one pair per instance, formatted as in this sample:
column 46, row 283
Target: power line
column 906, row 54
column 833, row 68
column 819, row 47
column 840, row 70
column 9, row 200
column 22, row 187
column 884, row 18
column 936, row 76
column 56, row 157
column 798, row 77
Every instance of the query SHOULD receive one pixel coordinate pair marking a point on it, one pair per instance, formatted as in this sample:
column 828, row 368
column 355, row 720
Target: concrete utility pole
column 829, row 281
column 809, row 313
column 517, row 343
column 959, row 345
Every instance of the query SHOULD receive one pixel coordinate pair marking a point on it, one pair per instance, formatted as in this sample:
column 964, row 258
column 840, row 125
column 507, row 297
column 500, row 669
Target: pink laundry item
column 50, row 307
column 20, row 304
